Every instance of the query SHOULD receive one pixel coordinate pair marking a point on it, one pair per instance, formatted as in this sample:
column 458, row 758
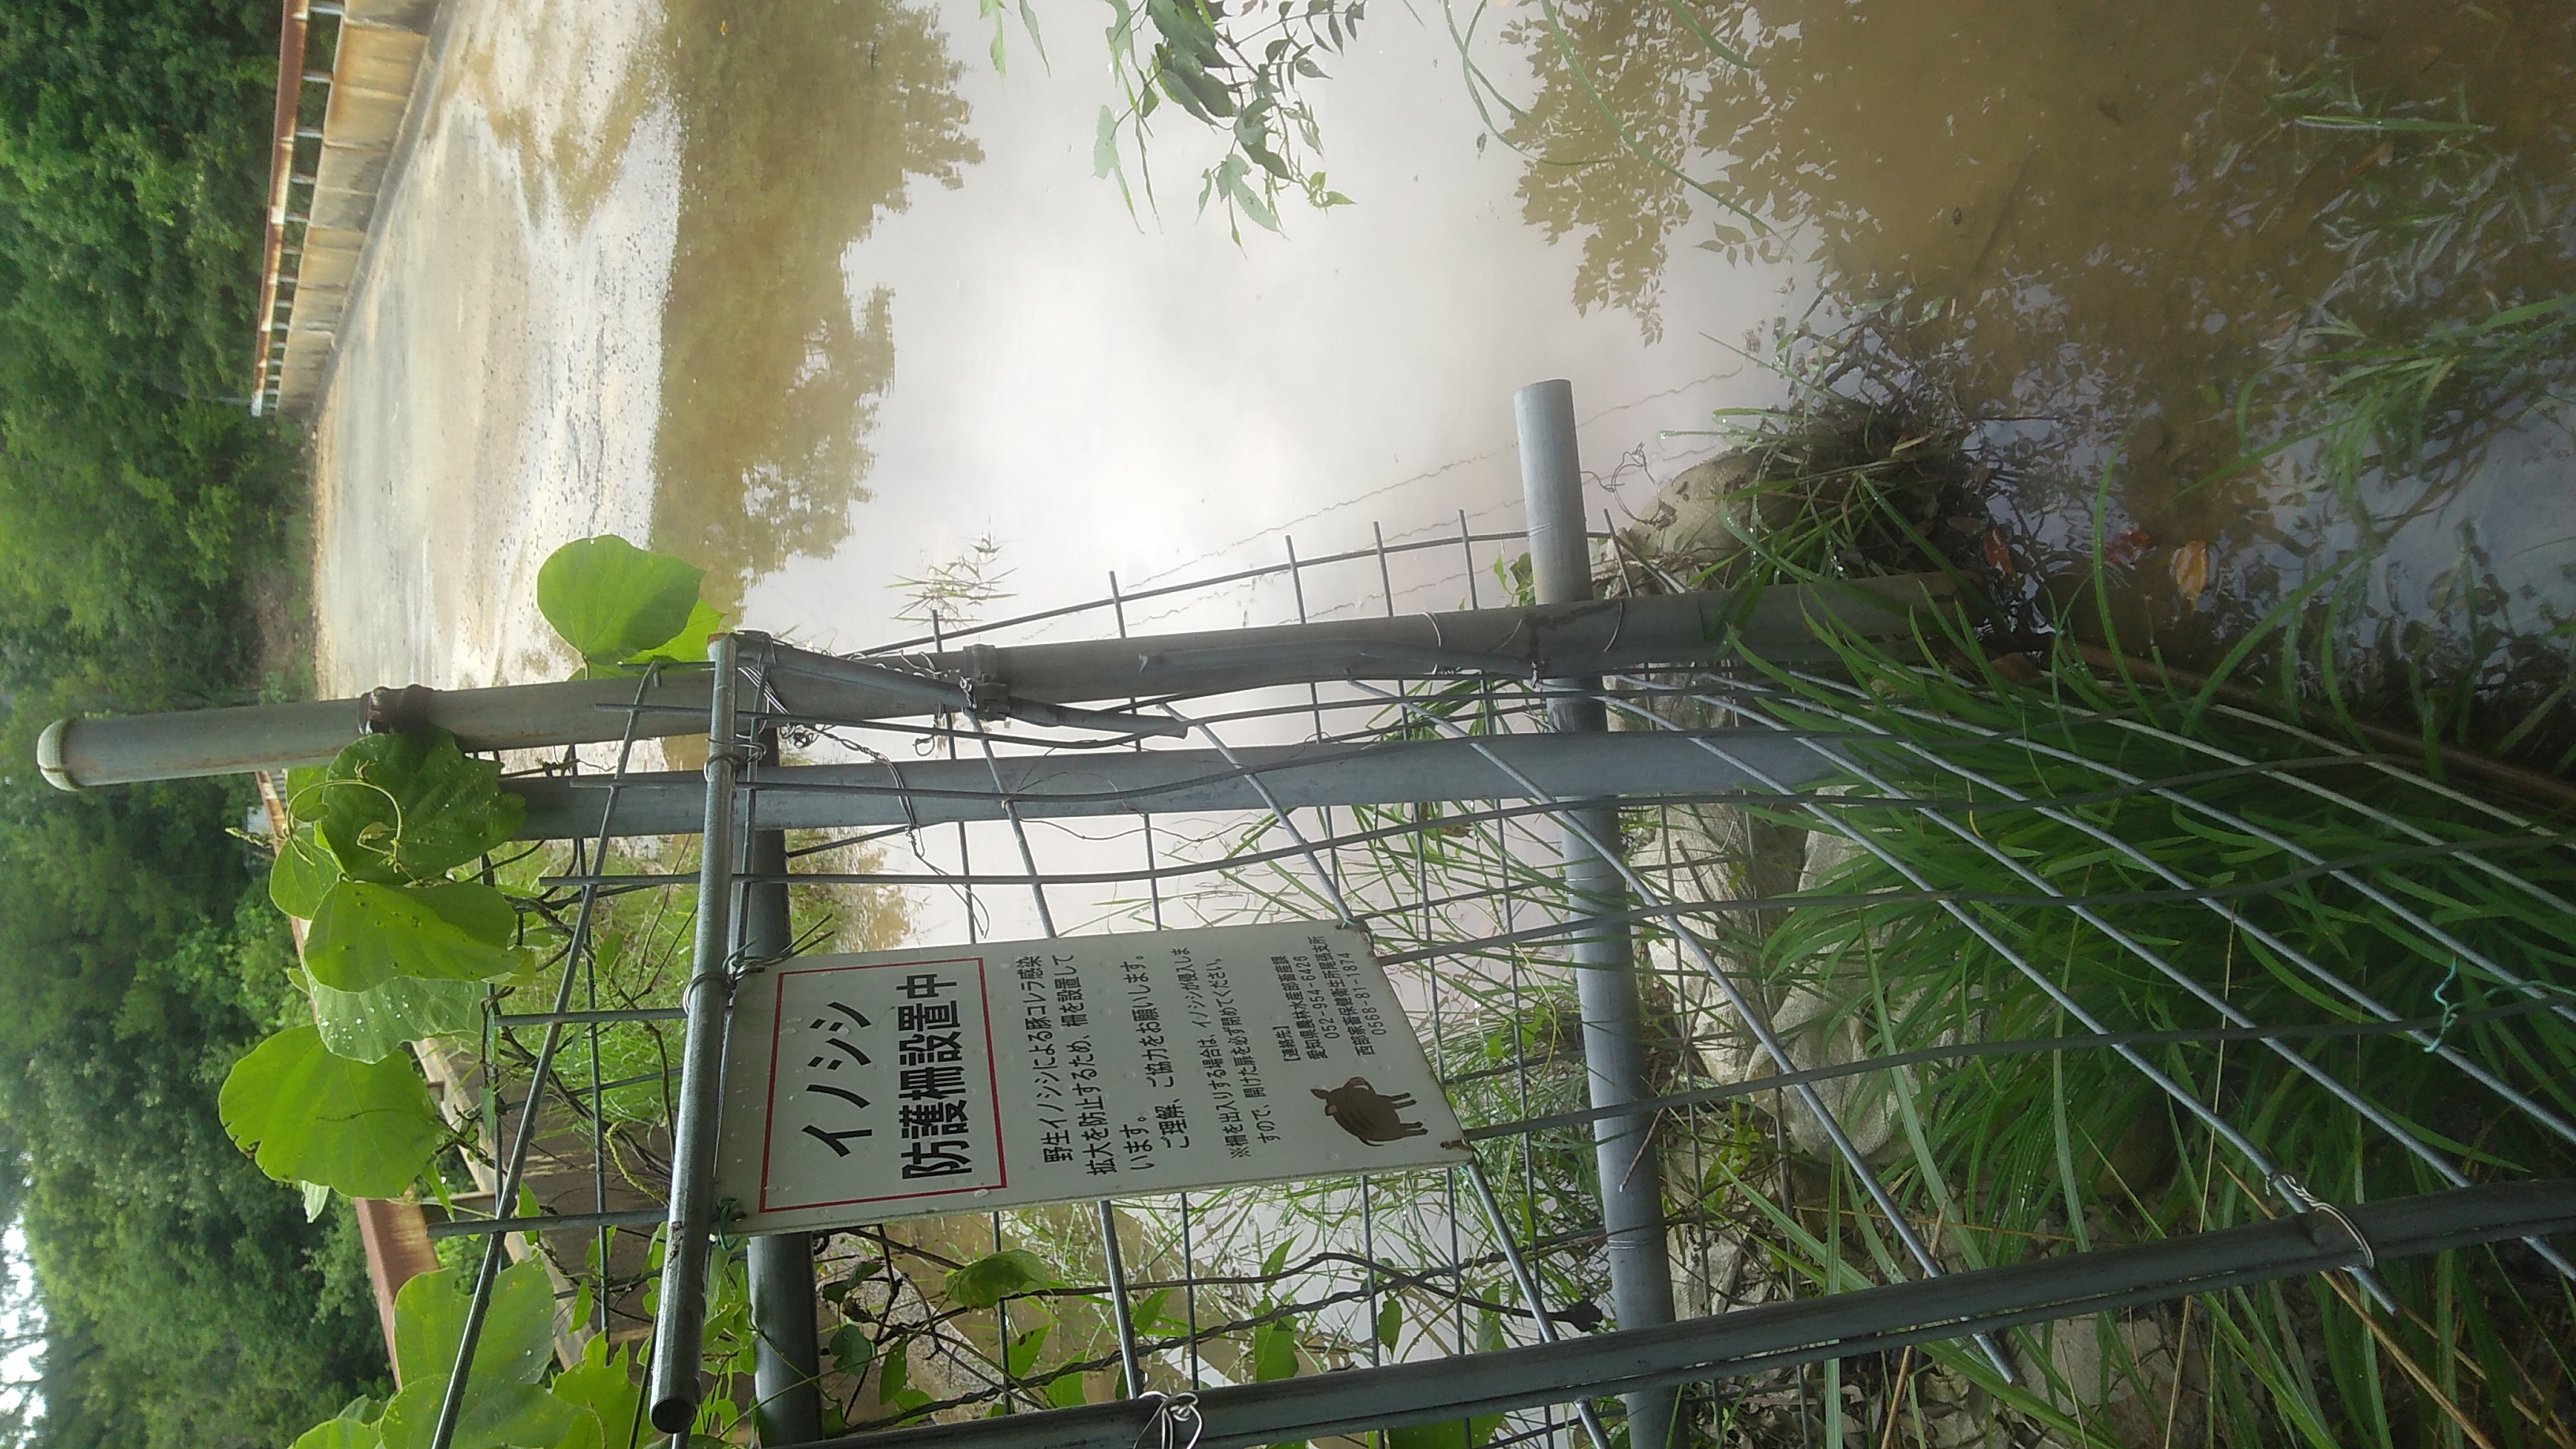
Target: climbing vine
column 398, row 948
column 386, row 859
column 410, row 934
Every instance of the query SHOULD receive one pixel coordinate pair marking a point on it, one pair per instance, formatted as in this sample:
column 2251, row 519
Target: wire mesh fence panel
column 1947, row 962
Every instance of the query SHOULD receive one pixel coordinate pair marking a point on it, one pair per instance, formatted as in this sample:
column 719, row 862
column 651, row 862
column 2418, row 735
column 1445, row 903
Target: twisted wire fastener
column 1171, row 1411
column 2305, row 1201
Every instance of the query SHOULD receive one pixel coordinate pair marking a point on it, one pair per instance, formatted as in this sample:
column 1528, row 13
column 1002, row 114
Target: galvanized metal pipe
column 1131, row 1361
column 508, row 1019
column 1615, row 1028
column 1771, row 1045
column 1573, row 638
column 1121, row 1311
column 679, row 1324
column 1292, row 777
column 786, row 1360
column 1786, row 1334
column 505, row 1193
column 1531, row 1298
column 544, row 1223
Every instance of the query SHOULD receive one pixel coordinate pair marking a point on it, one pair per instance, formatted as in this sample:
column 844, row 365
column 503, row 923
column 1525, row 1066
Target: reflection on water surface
column 2104, row 222
column 803, row 124
column 651, row 264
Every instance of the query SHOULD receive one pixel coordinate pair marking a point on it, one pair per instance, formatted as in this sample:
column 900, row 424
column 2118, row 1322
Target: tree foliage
column 133, row 483
column 187, row 1299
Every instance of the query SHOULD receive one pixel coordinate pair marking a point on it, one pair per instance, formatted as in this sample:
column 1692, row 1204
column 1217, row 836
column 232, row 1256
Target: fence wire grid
column 1989, row 970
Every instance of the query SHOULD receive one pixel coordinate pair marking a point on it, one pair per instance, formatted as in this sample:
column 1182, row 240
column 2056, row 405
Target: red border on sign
column 992, row 1085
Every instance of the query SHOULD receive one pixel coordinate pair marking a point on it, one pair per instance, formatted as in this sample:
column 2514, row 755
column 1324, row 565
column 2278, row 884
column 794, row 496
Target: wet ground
column 813, row 295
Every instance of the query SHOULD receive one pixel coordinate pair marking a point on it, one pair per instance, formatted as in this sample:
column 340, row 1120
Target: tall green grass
column 2328, row 871
column 2218, row 854
column 2071, row 1149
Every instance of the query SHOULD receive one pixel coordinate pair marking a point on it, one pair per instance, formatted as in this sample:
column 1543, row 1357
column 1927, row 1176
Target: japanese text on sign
column 862, row 1088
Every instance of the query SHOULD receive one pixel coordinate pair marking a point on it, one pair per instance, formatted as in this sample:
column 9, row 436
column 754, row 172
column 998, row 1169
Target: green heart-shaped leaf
column 502, row 1416
column 611, row 600
column 604, row 1383
column 411, row 806
column 364, row 934
column 851, row 1350
column 303, row 797
column 689, row 646
column 303, row 873
column 989, row 1280
column 364, row 1128
column 518, row 1338
column 373, row 1024
column 341, row 1433
column 503, row 1405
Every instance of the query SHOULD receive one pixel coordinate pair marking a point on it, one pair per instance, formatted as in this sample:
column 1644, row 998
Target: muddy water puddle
column 811, row 294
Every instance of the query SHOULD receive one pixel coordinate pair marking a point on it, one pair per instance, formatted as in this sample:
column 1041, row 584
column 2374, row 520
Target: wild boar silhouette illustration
column 1367, row 1113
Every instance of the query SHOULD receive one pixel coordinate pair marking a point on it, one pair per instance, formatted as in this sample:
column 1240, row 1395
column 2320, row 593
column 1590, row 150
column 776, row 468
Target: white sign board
column 860, row 1089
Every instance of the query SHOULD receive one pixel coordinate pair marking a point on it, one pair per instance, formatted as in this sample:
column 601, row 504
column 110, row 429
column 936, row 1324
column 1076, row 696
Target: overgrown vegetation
column 2114, row 852
column 1239, row 72
column 2279, row 347
column 2079, row 1147
column 140, row 500
column 2341, row 887
column 418, row 936
column 143, row 517
column 146, row 525
column 2438, row 326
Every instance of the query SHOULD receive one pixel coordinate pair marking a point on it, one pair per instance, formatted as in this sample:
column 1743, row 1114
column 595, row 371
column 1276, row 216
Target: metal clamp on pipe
column 985, row 691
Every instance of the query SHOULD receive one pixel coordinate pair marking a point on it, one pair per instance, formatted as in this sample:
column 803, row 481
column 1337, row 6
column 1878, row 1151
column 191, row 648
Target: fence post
column 1614, row 1025
column 786, row 1362
column 679, row 1324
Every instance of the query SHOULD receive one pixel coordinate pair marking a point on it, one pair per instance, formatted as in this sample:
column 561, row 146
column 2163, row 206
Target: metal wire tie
column 1170, row 1412
column 2306, row 1201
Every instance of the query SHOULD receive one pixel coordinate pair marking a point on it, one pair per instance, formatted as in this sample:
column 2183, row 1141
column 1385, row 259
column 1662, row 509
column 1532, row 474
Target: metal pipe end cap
column 49, row 757
column 675, row 1414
